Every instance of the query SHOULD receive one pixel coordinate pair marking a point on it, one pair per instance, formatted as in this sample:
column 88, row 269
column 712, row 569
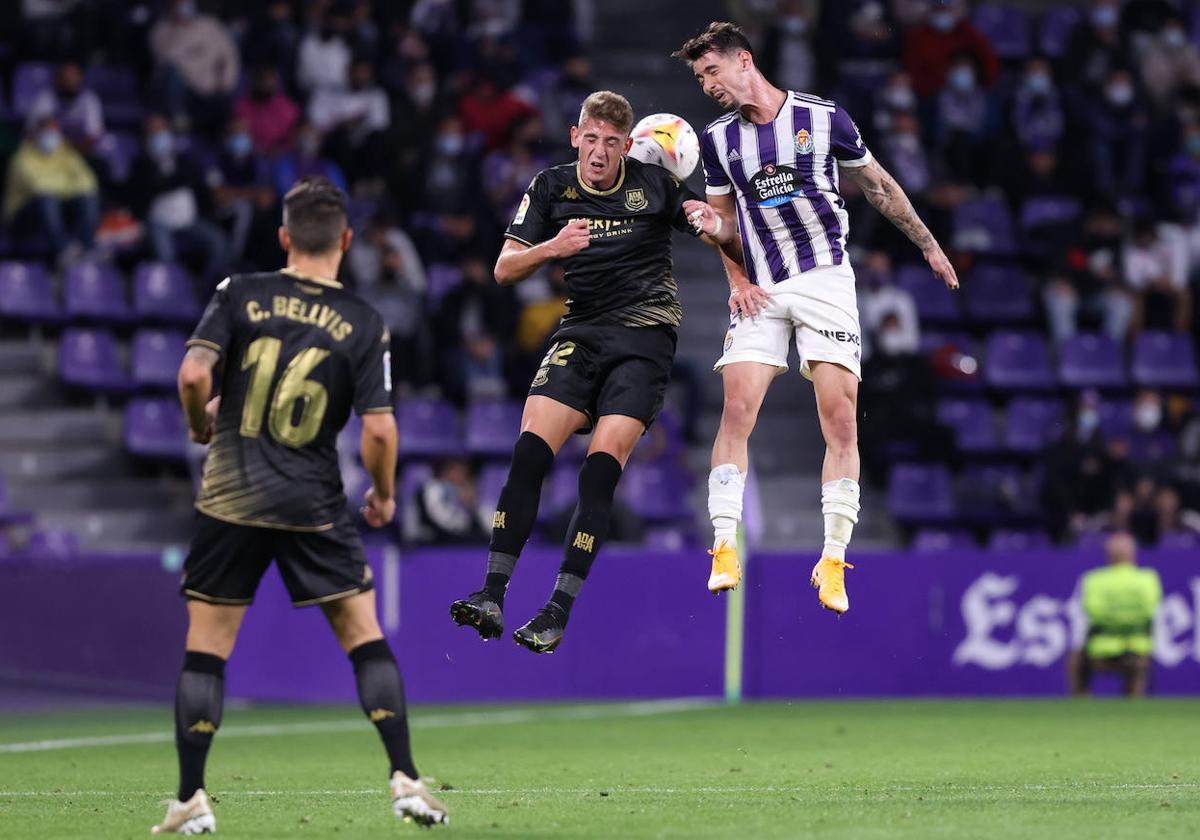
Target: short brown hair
column 611, row 107
column 314, row 213
column 720, row 36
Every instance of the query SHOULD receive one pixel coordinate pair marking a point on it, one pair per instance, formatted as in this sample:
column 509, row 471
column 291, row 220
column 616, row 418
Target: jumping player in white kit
column 771, row 167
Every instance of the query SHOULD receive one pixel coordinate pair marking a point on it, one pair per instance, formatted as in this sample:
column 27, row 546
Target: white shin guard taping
column 839, row 504
column 725, row 486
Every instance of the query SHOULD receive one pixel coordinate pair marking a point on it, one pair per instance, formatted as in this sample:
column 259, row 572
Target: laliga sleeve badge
column 521, row 210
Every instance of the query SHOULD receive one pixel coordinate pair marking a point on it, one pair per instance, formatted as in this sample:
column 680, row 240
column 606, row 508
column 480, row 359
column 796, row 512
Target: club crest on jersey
column 804, row 142
column 635, row 200
column 728, row 339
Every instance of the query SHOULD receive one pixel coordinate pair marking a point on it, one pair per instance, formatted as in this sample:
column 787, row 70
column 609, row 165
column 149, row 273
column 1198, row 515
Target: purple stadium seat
column 1092, row 541
column 655, row 492
column 29, row 79
column 428, row 429
column 994, row 493
column 164, row 292
column 998, row 294
column 929, row 540
column 920, row 493
column 88, row 358
column 95, row 292
column 1165, row 360
column 1091, row 360
column 1049, row 211
column 443, row 279
column 1007, row 28
column 1032, row 423
column 493, row 427
column 490, row 483
column 155, row 356
column 983, row 225
column 932, row 340
column 560, row 493
column 117, row 87
column 1012, row 541
column 1018, row 361
column 26, row 293
column 119, row 149
column 934, row 301
column 54, row 543
column 154, row 428
column 1116, row 418
column 1055, row 31
column 1180, row 539
column 972, row 422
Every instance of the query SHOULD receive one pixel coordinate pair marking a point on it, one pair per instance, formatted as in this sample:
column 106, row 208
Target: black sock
column 199, row 699
column 381, row 694
column 589, row 526
column 516, row 511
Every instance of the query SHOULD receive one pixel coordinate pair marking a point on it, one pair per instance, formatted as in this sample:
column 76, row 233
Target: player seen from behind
column 609, row 218
column 294, row 352
column 771, row 167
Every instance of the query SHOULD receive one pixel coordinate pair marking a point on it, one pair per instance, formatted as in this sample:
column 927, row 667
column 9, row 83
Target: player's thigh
column 562, row 394
column 745, row 385
column 826, row 313
column 353, row 620
column 551, row 420
column 225, row 563
column 765, row 338
column 636, row 367
column 617, row 434
column 836, row 389
column 319, row 567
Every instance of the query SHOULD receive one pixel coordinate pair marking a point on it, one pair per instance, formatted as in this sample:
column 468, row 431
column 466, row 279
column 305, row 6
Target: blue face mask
column 240, row 144
column 160, row 144
column 1037, row 83
column 943, row 21
column 48, row 140
column 962, row 79
column 1104, row 16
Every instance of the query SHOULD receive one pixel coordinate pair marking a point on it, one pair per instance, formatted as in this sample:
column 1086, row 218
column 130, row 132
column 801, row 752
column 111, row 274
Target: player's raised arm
column 888, row 197
column 518, row 259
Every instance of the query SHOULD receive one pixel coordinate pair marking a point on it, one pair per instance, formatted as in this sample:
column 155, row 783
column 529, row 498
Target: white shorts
column 820, row 306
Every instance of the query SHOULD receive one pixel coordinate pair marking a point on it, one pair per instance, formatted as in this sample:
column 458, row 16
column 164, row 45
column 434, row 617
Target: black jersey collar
column 310, row 278
column 593, row 190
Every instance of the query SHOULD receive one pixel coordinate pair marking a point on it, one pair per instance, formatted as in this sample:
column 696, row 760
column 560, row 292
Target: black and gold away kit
column 297, row 353
column 613, row 350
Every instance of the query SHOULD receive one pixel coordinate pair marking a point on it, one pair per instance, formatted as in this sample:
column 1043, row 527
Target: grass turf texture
column 1037, row 769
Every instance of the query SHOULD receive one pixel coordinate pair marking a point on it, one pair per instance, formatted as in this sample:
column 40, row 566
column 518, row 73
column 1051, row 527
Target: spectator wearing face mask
column 1118, row 136
column 169, row 192
column 269, row 114
column 787, row 50
column 305, row 159
column 891, row 99
column 79, row 112
column 1086, row 282
column 1094, row 49
column 241, row 188
column 1156, row 272
column 1081, row 478
column 1168, row 62
column 323, row 60
column 931, row 47
column 1037, row 115
column 198, row 64
column 889, row 314
column 965, row 123
column 1151, row 443
column 353, row 122
column 51, row 189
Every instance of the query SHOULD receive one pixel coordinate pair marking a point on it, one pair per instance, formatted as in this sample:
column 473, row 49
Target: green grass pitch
column 1022, row 769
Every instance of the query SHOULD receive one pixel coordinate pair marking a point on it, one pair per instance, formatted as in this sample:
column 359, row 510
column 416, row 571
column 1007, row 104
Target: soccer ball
column 668, row 141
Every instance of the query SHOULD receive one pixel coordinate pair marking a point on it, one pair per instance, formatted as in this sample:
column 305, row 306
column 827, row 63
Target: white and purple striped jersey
column 790, row 213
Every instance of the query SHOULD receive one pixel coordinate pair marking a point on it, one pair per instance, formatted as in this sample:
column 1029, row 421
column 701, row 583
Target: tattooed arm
column 886, row 196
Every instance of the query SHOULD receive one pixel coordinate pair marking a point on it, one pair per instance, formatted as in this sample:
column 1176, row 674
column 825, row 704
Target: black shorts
column 601, row 369
column 227, row 561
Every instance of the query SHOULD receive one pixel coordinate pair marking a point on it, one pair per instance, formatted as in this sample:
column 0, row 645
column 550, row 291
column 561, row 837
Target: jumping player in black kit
column 293, row 352
column 609, row 218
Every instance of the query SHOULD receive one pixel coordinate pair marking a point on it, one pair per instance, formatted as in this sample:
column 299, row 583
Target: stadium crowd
column 1058, row 153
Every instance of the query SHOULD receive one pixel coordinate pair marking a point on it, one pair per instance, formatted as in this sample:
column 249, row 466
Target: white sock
column 839, row 504
column 725, row 486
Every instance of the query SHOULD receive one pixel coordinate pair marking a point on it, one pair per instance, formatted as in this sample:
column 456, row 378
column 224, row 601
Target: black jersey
column 298, row 352
column 624, row 275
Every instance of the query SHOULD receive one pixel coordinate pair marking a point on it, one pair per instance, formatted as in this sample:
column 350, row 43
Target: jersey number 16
column 294, row 386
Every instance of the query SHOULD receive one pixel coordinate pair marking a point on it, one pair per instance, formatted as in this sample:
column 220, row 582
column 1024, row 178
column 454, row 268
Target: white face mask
column 1120, row 94
column 1174, row 38
column 1147, row 416
column 891, row 342
column 48, row 140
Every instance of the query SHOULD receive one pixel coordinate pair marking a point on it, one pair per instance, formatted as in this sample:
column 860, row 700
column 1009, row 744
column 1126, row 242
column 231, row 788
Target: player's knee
column 739, row 414
column 532, row 459
column 841, row 426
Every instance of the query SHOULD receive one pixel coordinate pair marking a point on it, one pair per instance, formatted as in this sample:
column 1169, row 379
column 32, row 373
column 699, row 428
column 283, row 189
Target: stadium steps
column 90, row 494
column 61, row 461
column 130, row 530
column 73, row 425
column 28, row 390
column 22, row 357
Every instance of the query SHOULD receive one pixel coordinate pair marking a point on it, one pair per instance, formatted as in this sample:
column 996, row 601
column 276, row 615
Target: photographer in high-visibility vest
column 1120, row 600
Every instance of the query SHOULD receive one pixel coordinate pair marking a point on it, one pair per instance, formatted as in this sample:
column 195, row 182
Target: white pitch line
column 970, row 790
column 436, row 721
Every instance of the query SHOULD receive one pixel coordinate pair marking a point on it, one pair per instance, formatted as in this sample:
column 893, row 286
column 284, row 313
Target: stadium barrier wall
column 966, row 624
